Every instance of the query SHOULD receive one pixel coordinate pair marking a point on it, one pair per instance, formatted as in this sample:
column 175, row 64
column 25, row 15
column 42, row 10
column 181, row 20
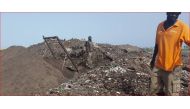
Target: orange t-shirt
column 169, row 43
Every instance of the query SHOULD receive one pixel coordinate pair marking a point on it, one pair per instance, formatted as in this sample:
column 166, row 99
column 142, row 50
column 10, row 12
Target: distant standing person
column 167, row 61
column 88, row 47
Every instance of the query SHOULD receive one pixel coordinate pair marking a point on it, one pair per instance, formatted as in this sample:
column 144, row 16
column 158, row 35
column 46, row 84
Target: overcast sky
column 137, row 29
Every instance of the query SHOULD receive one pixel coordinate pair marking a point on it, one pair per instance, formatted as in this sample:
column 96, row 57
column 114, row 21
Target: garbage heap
column 117, row 70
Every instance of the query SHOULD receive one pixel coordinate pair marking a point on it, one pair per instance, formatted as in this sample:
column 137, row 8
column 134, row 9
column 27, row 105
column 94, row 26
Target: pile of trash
column 118, row 70
column 106, row 80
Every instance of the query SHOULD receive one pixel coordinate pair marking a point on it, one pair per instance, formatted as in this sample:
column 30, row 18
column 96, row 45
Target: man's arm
column 154, row 56
column 186, row 35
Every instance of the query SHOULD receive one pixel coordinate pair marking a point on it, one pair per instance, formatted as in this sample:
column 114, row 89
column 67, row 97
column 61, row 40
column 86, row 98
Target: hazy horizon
column 137, row 29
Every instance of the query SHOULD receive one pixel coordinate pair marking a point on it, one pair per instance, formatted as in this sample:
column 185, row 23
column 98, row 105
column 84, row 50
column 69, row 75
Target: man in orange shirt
column 166, row 61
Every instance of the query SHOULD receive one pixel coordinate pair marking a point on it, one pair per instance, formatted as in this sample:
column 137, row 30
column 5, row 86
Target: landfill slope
column 116, row 70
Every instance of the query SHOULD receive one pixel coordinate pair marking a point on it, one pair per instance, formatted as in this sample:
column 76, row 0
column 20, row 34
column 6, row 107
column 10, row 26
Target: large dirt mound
column 25, row 73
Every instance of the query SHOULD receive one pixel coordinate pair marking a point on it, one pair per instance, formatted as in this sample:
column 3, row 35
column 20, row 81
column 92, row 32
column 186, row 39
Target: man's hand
column 154, row 56
column 152, row 64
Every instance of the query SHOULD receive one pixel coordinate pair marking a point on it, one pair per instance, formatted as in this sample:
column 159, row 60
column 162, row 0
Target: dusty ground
column 25, row 73
column 117, row 70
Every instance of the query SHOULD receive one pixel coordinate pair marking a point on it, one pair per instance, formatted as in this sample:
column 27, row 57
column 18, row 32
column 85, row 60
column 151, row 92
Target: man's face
column 172, row 16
